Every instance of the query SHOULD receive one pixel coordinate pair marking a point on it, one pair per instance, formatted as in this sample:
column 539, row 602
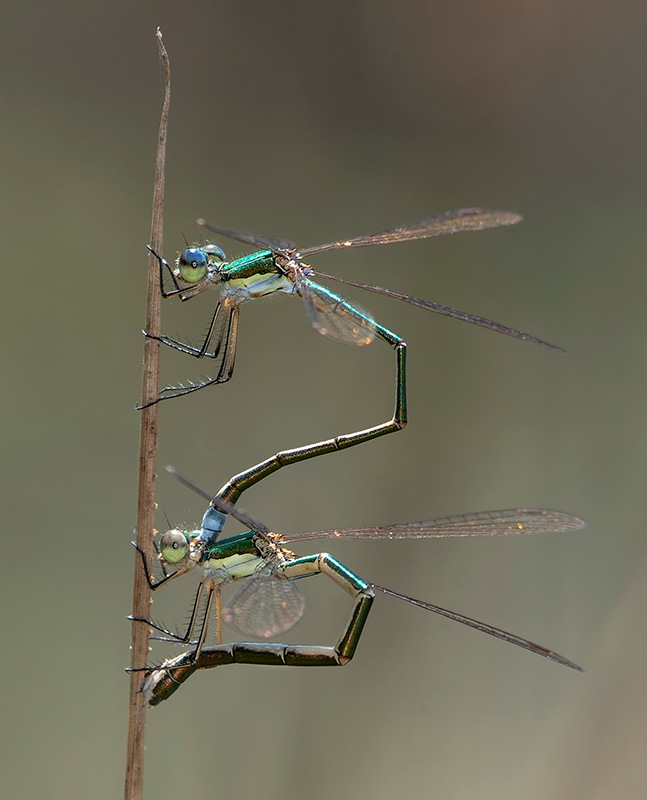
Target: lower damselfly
column 269, row 603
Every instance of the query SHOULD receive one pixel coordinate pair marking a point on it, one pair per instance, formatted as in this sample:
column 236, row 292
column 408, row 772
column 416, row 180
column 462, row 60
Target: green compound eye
column 174, row 545
column 192, row 265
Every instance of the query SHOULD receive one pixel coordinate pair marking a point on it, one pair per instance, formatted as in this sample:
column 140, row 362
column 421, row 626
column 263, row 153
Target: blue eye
column 192, row 264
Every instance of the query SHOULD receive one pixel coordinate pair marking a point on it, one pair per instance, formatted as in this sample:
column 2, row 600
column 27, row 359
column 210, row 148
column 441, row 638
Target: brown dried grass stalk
column 147, row 461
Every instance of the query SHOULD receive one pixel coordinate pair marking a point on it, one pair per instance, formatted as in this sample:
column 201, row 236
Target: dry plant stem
column 147, row 462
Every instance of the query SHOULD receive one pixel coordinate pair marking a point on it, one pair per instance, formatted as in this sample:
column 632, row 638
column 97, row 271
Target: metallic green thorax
column 233, row 546
column 232, row 559
column 261, row 263
column 253, row 277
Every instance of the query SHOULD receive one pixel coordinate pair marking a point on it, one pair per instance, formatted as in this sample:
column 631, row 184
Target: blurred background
column 314, row 122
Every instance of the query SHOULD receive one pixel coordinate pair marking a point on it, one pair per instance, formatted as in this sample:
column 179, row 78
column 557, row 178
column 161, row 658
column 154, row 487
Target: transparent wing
column 255, row 239
column 482, row 523
column 265, row 605
column 332, row 316
column 447, row 311
column 463, row 219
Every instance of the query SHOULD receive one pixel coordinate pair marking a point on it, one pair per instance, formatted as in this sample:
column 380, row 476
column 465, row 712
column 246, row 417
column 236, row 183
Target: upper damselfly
column 279, row 266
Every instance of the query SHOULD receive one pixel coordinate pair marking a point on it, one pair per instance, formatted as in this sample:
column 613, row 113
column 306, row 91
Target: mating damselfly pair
column 269, row 603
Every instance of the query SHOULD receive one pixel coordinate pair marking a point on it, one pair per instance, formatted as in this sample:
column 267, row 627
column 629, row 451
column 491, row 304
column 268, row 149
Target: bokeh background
column 314, row 121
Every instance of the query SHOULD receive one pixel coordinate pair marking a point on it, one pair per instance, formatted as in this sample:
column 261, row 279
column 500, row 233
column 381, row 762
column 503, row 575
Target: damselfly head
column 198, row 263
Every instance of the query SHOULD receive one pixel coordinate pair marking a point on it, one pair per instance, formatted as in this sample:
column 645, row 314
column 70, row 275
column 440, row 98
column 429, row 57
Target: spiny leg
column 213, row 594
column 195, row 613
column 205, row 621
column 152, row 583
column 162, row 262
column 224, row 306
column 186, row 637
column 225, row 346
column 182, row 347
column 226, row 335
column 232, row 490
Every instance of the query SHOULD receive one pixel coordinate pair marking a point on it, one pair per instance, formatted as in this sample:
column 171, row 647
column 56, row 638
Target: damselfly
column 279, row 267
column 269, row 603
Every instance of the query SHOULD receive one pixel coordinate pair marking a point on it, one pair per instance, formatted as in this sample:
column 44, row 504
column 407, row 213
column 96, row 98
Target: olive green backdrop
column 315, row 121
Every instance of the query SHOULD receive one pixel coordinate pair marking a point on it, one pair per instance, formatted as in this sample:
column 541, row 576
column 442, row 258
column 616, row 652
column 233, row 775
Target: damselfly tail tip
column 488, row 218
column 565, row 662
column 554, row 347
